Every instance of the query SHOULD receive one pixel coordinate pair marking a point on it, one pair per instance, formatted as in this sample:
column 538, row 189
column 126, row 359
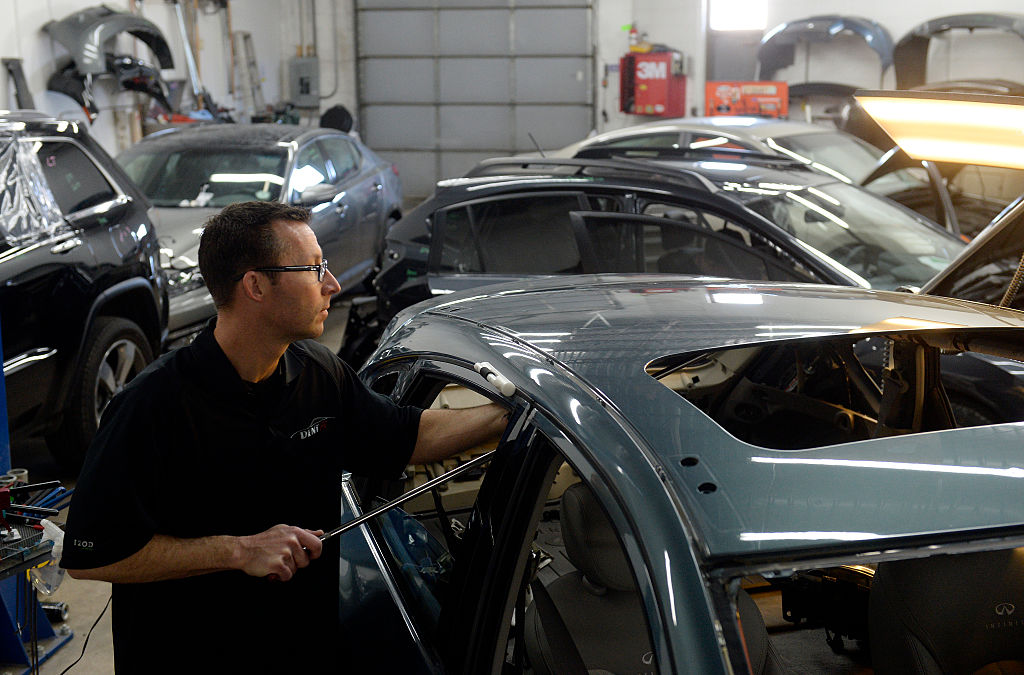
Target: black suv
column 83, row 304
column 739, row 215
column 723, row 214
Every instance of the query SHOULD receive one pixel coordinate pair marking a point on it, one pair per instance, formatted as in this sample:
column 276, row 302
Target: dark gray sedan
column 191, row 173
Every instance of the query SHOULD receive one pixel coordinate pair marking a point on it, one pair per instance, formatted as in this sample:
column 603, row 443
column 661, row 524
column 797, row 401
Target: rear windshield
column 205, row 177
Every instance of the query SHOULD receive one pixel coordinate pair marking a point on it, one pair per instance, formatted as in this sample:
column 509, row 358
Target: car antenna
column 536, row 144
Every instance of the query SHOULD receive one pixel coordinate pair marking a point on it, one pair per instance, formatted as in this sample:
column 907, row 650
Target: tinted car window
column 75, row 181
column 744, row 254
column 342, row 158
column 524, row 235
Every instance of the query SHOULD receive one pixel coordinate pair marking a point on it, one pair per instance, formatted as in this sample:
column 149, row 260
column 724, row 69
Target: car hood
column 911, row 52
column 779, row 44
column 178, row 233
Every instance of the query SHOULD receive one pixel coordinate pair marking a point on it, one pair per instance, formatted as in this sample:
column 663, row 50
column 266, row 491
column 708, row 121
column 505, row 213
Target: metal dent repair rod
column 415, row 492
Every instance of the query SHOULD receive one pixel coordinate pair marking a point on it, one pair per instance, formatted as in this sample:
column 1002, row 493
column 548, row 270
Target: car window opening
column 576, row 595
column 838, row 390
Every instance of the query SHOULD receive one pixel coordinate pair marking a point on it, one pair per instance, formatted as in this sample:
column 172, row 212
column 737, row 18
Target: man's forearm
column 279, row 552
column 168, row 558
column 443, row 433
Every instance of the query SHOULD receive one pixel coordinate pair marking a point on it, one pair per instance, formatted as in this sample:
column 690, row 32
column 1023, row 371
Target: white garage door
column 445, row 83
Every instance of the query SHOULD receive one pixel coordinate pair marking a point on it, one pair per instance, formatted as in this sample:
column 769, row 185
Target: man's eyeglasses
column 321, row 270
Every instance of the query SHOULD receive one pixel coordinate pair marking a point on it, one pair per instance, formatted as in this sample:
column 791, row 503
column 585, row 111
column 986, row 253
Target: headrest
column 948, row 613
column 590, row 541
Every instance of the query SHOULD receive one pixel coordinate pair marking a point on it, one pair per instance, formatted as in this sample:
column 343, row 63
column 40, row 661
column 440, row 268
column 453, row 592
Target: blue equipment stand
column 24, row 627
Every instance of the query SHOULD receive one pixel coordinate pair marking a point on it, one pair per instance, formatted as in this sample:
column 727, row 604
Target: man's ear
column 254, row 286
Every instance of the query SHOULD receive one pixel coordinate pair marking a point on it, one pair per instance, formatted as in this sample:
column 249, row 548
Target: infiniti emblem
column 1005, row 609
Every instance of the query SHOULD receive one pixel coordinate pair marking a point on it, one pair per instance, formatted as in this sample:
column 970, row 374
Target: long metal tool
column 415, row 492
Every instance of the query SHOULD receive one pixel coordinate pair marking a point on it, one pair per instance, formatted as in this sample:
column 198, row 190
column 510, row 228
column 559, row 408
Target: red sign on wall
column 768, row 99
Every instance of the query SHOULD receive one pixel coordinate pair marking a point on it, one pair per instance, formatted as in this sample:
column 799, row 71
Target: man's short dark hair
column 241, row 238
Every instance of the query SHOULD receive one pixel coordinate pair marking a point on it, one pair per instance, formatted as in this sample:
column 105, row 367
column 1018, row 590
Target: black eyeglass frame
column 320, row 269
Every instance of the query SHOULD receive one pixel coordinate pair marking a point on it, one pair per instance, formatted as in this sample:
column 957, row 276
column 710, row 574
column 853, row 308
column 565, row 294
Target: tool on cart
column 25, row 514
column 415, row 492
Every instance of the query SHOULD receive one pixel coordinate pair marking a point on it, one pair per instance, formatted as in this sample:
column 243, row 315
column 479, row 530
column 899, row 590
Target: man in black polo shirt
column 210, row 473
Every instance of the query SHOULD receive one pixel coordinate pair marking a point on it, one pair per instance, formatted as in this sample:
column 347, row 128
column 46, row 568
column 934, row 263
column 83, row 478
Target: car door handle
column 378, row 186
column 341, row 209
column 65, row 246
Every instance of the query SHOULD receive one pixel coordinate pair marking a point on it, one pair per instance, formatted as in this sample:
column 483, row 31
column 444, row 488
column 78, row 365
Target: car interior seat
column 536, row 240
column 949, row 614
column 682, row 250
column 599, row 608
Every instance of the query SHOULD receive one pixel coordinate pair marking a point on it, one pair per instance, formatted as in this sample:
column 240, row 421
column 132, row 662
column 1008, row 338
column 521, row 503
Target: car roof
column 601, row 331
column 229, row 135
column 661, row 168
column 750, row 129
column 15, row 120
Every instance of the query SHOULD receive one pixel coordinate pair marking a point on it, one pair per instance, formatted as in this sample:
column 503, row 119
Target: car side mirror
column 317, row 194
column 100, row 214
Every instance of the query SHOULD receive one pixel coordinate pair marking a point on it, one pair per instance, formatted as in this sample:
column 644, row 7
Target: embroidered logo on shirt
column 316, row 426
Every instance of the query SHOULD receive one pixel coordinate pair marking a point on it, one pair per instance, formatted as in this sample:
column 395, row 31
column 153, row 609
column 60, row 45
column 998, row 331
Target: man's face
column 298, row 303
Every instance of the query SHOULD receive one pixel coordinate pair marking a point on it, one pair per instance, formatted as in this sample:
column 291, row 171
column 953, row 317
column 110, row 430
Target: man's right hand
column 279, row 552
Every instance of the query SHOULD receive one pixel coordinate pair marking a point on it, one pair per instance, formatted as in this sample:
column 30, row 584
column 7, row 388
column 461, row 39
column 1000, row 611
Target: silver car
column 191, row 173
column 931, row 191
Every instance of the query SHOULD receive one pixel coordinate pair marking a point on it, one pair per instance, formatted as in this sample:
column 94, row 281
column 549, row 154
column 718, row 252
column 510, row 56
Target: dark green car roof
column 580, row 347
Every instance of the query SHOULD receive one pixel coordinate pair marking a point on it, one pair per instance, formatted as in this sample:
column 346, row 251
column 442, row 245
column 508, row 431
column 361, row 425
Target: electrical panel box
column 768, row 99
column 304, row 82
column 653, row 84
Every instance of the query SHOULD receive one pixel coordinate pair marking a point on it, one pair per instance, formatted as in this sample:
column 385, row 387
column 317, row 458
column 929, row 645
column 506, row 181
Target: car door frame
column 416, row 379
column 461, row 281
column 364, row 204
column 591, row 264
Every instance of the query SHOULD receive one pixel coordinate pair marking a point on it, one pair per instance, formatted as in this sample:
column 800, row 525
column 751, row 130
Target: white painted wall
column 983, row 54
column 274, row 26
column 281, row 30
column 675, row 23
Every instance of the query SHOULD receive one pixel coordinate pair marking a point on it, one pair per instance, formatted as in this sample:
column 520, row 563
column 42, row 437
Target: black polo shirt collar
column 218, row 373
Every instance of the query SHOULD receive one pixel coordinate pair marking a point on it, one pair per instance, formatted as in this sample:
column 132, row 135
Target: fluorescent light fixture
column 944, row 127
column 738, row 15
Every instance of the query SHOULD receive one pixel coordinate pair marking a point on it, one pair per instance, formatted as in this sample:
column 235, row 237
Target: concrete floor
column 86, row 599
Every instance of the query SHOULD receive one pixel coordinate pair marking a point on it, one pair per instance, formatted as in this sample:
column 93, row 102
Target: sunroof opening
column 816, row 392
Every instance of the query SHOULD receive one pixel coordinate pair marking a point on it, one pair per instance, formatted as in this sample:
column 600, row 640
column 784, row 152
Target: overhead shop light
column 947, row 127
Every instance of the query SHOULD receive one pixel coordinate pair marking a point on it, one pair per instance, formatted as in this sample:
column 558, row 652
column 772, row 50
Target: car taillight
column 394, row 169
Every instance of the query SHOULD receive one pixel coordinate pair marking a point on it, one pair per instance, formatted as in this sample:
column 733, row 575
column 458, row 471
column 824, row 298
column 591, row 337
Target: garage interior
column 435, row 86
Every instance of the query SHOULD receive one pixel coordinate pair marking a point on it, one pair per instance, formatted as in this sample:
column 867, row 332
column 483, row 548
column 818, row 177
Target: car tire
column 116, row 350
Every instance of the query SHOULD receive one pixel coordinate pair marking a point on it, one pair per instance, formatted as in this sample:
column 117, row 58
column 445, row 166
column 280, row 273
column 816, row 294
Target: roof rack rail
column 498, row 166
column 640, row 152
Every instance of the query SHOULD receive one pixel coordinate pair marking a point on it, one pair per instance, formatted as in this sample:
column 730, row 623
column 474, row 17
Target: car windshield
column 851, row 157
column 205, row 176
column 875, row 239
